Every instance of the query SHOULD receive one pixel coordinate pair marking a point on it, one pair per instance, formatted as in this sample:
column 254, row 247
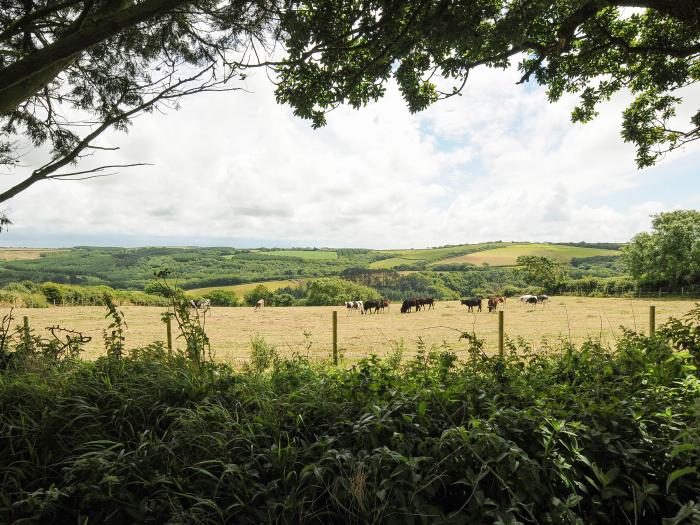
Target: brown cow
column 493, row 304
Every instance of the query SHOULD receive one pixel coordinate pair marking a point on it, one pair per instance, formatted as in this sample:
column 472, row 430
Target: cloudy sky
column 237, row 169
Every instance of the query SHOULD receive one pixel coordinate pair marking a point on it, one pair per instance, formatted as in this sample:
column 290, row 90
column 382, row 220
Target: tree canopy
column 541, row 271
column 668, row 255
column 594, row 48
column 70, row 69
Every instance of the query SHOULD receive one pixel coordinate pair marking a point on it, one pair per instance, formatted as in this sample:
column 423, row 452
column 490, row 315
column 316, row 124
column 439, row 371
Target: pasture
column 241, row 289
column 507, row 255
column 231, row 329
column 24, row 254
column 314, row 255
column 494, row 254
column 401, row 257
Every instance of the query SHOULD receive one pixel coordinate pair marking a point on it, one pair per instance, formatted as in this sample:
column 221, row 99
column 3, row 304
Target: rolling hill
column 493, row 254
column 507, row 255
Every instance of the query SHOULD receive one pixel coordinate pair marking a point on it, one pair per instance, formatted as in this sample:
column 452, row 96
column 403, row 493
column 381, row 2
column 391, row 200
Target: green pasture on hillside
column 401, row 257
column 316, row 255
column 507, row 255
column 241, row 289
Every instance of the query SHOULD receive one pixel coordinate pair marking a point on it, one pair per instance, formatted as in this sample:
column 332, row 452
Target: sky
column 236, row 169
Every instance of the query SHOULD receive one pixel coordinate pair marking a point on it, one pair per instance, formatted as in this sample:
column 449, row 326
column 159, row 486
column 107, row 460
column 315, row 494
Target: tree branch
column 172, row 91
column 21, row 23
column 95, row 170
column 21, row 79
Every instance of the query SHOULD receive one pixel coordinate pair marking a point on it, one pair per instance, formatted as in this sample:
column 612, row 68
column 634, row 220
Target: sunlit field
column 507, row 255
column 17, row 254
column 230, row 329
column 241, row 289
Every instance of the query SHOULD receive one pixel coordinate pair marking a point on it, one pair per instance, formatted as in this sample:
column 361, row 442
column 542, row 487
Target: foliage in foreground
column 574, row 435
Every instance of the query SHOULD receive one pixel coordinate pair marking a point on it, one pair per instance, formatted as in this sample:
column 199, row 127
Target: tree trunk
column 22, row 79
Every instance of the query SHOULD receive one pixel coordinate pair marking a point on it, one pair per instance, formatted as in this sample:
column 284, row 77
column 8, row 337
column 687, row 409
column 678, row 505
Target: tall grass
column 575, row 435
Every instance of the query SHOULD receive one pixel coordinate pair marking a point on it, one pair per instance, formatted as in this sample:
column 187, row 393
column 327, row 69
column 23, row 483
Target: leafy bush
column 222, row 298
column 334, row 291
column 282, row 299
column 262, row 354
column 259, row 292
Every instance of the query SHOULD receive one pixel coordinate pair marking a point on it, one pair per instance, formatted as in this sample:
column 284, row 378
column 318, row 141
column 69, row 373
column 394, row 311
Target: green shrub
column 282, row 299
column 262, row 354
column 52, row 292
column 259, row 292
column 222, row 298
column 334, row 291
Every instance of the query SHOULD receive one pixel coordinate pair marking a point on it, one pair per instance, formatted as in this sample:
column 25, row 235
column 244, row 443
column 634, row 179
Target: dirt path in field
column 230, row 329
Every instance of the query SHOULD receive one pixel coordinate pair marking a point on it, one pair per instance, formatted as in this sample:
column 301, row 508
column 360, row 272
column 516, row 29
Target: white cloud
column 499, row 162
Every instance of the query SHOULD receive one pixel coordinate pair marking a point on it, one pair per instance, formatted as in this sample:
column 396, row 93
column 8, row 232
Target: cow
column 429, row 302
column 259, row 305
column 354, row 305
column 200, row 304
column 471, row 303
column 531, row 299
column 371, row 305
column 493, row 304
column 384, row 303
column 408, row 304
column 525, row 298
column 542, row 299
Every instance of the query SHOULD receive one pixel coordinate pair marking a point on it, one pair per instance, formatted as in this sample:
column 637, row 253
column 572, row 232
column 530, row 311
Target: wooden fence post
column 500, row 332
column 652, row 320
column 169, row 333
column 335, row 337
column 27, row 335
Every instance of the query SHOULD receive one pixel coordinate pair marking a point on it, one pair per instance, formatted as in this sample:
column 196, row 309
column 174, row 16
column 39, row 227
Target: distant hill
column 492, row 253
column 507, row 255
column 241, row 289
column 195, row 268
column 403, row 258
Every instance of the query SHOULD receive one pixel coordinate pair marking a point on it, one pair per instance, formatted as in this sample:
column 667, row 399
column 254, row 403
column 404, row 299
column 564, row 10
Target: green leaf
column 673, row 476
column 682, row 448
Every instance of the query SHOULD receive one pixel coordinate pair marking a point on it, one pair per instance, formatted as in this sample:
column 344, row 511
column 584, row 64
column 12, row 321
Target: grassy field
column 18, row 254
column 241, row 289
column 428, row 254
column 316, row 255
column 230, row 329
column 506, row 255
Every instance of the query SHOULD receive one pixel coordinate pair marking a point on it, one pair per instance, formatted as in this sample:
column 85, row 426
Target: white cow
column 259, row 305
column 354, row 305
column 200, row 304
column 524, row 298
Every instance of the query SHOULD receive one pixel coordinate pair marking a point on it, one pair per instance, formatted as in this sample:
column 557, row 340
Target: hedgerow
column 576, row 435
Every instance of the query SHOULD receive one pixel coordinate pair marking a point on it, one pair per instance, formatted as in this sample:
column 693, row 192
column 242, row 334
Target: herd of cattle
column 369, row 306
column 420, row 303
column 366, row 307
column 493, row 302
